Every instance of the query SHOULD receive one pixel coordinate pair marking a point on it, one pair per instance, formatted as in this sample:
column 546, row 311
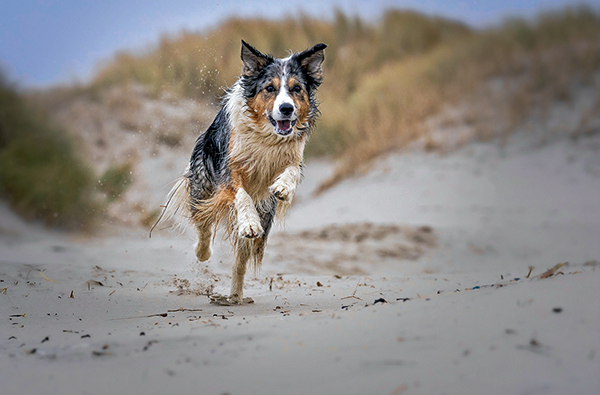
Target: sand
column 429, row 275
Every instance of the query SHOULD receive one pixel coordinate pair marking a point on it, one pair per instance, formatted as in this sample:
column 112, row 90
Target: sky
column 50, row 42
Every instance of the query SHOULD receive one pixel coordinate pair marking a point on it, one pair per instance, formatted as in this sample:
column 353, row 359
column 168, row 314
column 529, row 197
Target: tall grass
column 542, row 60
column 200, row 65
column 382, row 80
column 41, row 175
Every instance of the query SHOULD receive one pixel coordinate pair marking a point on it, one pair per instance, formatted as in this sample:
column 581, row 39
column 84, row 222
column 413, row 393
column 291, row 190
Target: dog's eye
column 297, row 89
column 270, row 89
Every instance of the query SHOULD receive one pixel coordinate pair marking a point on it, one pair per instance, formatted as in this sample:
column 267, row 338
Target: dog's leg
column 202, row 247
column 286, row 183
column 267, row 213
column 246, row 250
column 242, row 254
column 248, row 222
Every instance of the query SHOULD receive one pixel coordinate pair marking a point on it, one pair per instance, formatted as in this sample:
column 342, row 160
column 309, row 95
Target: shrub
column 41, row 174
column 115, row 181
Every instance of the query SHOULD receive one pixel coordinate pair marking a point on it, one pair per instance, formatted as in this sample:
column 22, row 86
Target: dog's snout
column 286, row 109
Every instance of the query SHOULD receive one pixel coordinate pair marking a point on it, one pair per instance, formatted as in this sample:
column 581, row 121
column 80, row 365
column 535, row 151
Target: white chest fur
column 256, row 151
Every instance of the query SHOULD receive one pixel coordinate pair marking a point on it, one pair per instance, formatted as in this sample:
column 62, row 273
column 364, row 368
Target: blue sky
column 45, row 42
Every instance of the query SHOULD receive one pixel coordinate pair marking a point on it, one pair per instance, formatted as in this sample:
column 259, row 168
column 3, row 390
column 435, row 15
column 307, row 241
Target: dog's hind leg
column 202, row 247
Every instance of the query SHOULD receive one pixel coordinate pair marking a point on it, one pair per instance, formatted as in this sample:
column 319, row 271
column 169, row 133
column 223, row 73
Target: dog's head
column 280, row 92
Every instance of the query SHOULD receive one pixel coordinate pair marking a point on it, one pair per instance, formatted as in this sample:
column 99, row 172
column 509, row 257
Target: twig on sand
column 156, row 315
column 530, row 270
column 141, row 316
column 553, row 271
column 351, row 296
column 182, row 309
column 354, row 293
column 46, row 278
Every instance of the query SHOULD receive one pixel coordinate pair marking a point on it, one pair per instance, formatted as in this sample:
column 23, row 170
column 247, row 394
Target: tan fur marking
column 217, row 211
column 258, row 105
column 202, row 247
column 300, row 100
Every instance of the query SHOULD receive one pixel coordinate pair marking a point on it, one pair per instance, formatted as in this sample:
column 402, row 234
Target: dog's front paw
column 282, row 191
column 237, row 299
column 222, row 300
column 250, row 229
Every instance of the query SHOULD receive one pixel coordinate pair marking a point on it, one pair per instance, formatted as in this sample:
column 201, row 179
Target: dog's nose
column 286, row 109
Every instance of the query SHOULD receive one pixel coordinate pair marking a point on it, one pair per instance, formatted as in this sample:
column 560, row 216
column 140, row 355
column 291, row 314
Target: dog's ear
column 254, row 61
column 311, row 62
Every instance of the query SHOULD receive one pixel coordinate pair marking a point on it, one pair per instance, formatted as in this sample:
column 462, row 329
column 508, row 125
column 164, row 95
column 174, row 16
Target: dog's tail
column 177, row 205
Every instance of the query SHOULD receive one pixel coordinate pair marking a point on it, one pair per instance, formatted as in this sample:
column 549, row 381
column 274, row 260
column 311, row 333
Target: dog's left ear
column 311, row 62
column 254, row 61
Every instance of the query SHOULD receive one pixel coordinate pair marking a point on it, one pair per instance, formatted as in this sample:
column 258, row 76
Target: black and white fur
column 245, row 168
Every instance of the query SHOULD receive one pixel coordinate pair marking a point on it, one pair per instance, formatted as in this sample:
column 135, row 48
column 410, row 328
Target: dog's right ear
column 311, row 61
column 254, row 61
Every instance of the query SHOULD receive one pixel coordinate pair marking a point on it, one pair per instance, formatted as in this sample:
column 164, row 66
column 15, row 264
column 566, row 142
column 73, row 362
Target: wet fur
column 243, row 171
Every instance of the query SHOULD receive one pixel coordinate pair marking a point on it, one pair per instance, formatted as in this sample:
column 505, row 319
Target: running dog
column 245, row 168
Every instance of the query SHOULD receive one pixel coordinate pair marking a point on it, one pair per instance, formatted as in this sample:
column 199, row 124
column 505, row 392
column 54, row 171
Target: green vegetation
column 40, row 172
column 115, row 181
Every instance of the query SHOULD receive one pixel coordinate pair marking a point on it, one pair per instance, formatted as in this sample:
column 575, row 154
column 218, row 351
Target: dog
column 244, row 169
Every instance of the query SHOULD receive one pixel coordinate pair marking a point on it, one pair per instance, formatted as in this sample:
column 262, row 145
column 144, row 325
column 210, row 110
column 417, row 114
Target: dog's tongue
column 284, row 126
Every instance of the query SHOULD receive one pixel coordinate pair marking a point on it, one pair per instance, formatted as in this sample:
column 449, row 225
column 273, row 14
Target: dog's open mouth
column 283, row 127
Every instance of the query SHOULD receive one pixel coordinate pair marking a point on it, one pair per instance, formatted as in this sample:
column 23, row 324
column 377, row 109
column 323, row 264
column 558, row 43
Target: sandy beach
column 475, row 272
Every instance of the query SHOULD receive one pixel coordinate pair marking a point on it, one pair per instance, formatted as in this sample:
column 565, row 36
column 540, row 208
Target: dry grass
column 530, row 65
column 200, row 65
column 384, row 80
column 384, row 83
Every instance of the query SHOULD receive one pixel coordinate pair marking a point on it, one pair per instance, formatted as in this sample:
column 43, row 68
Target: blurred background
column 101, row 102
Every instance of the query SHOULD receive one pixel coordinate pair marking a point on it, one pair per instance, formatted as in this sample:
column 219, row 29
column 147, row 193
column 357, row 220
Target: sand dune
column 429, row 275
